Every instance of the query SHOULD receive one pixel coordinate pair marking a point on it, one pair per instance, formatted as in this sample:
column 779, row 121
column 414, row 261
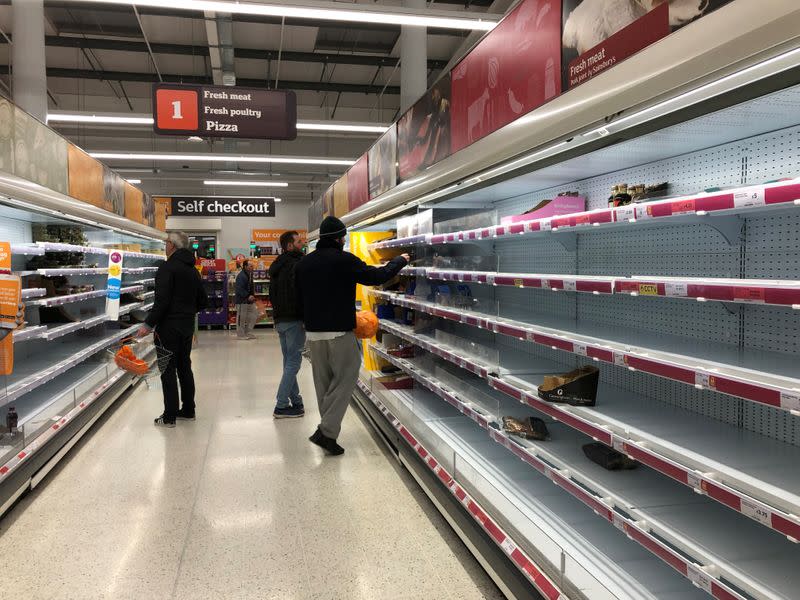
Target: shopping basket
column 143, row 357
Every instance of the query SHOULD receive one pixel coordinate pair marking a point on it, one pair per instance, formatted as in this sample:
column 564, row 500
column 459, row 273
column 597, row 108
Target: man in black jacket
column 288, row 323
column 179, row 297
column 326, row 282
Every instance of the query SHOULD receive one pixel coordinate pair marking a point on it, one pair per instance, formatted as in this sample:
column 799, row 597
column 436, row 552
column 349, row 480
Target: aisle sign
column 114, row 284
column 224, row 111
column 223, row 207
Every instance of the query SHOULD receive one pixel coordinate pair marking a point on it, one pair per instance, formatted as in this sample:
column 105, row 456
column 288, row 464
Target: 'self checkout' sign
column 223, row 207
column 224, row 111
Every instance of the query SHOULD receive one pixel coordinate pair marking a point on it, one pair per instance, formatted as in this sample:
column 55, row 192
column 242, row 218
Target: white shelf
column 749, row 556
column 71, row 298
column 65, row 271
column 739, row 469
column 40, row 248
column 764, row 377
column 29, row 332
column 40, row 368
column 586, row 554
column 749, row 291
column 29, row 293
column 67, row 328
column 703, row 208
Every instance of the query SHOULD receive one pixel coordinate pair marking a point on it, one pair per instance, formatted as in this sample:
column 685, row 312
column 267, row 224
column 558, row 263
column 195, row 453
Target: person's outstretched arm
column 367, row 275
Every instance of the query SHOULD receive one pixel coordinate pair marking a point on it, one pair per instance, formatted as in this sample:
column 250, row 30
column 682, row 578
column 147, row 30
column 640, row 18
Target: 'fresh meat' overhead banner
column 514, row 69
column 423, row 133
column 597, row 34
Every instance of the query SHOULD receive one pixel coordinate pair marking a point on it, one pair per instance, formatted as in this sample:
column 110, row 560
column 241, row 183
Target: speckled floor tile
column 233, row 505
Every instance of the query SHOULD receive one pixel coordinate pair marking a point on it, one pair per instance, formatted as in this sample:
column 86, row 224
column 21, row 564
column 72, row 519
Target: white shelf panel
column 65, row 271
column 29, row 293
column 765, row 377
column 750, row 556
column 67, row 328
column 29, row 332
column 693, row 209
column 71, row 298
column 749, row 473
column 588, row 554
column 748, row 291
column 40, row 248
column 40, row 368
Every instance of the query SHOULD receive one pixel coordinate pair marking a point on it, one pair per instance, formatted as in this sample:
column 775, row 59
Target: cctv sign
column 223, row 207
column 224, row 111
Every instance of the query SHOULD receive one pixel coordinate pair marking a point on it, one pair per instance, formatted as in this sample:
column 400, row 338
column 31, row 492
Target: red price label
column 682, row 207
column 748, row 294
column 177, row 110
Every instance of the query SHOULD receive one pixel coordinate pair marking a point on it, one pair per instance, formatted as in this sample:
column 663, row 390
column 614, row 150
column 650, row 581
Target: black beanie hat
column 333, row 228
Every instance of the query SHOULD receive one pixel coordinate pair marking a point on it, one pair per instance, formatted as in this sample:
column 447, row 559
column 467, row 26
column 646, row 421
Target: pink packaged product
column 560, row 205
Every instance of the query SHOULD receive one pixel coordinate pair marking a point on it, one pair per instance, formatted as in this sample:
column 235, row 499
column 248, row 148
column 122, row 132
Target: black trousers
column 179, row 368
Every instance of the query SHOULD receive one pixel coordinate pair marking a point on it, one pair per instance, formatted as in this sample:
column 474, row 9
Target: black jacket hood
column 283, row 261
column 183, row 255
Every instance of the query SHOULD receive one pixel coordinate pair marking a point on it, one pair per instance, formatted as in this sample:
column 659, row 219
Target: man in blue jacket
column 326, row 284
column 246, row 310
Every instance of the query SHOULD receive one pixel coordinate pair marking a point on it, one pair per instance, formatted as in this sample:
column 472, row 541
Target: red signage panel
column 358, row 183
column 514, row 69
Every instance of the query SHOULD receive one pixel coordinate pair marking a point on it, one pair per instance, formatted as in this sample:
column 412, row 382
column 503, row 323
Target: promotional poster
column 597, row 34
column 383, row 163
column 423, row 133
column 513, row 70
column 358, row 184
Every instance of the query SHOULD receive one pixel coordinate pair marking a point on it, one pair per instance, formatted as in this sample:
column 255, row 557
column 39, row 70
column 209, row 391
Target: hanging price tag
column 625, row 213
column 749, row 197
column 545, row 225
column 757, row 512
column 618, row 521
column 570, row 285
column 790, row 400
column 619, row 359
column 694, row 480
column 508, row 546
column 618, row 444
column 698, row 577
column 702, row 379
column 676, row 290
column 579, row 348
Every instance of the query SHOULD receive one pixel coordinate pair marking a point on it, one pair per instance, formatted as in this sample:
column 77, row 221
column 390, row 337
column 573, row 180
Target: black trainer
column 290, row 412
column 326, row 443
column 185, row 416
column 163, row 422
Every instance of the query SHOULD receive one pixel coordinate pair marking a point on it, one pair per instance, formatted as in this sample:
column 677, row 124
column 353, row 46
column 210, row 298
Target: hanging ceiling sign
column 224, row 111
column 223, row 207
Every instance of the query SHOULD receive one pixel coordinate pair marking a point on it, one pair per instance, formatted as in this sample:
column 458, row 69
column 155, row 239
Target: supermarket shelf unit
column 63, row 379
column 688, row 305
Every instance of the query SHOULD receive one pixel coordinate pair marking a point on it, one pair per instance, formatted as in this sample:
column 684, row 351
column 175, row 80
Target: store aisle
column 234, row 505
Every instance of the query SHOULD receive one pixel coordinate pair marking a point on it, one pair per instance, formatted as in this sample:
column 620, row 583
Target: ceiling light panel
column 205, row 157
column 393, row 16
column 245, row 183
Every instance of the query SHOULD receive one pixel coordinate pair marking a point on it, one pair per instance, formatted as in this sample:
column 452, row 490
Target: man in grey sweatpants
column 326, row 286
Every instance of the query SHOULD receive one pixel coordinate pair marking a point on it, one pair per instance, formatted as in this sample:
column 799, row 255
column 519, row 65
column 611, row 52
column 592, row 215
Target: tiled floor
column 233, row 505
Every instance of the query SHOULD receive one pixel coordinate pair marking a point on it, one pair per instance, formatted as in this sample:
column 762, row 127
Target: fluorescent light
column 246, row 183
column 133, row 181
column 393, row 16
column 111, row 119
column 207, row 157
column 343, row 127
column 87, row 118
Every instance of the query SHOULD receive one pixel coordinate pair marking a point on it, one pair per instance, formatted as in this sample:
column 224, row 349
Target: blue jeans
column 293, row 339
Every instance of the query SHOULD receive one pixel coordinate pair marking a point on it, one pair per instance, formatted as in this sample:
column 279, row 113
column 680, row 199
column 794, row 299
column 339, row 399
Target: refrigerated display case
column 686, row 301
column 63, row 378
